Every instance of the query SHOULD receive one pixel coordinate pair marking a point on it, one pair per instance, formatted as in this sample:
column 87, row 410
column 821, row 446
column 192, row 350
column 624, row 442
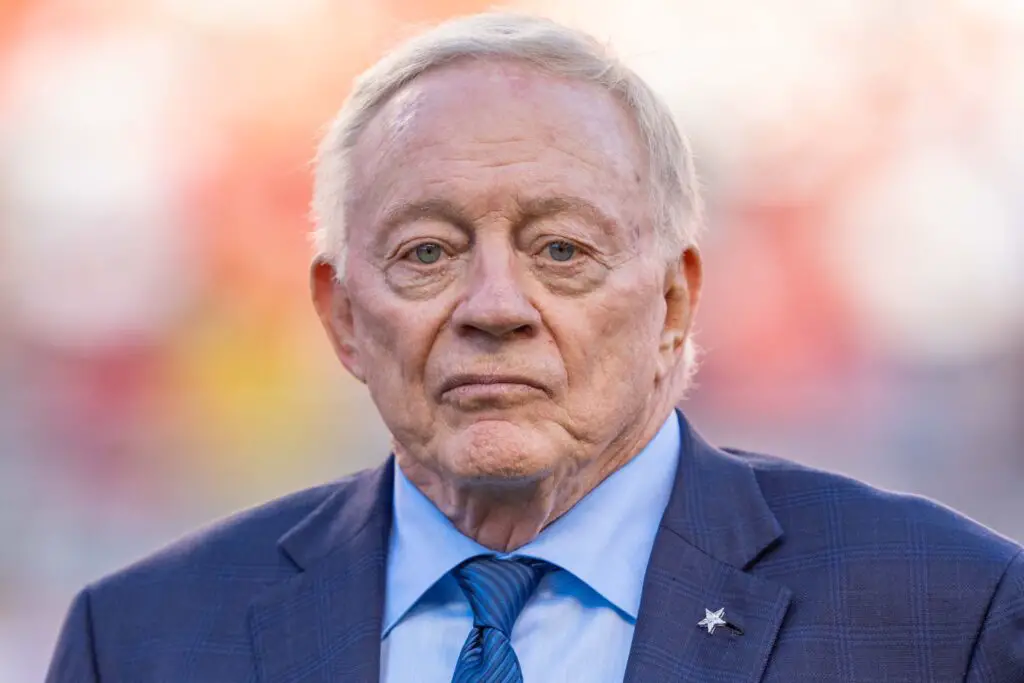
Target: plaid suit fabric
column 888, row 587
column 828, row 579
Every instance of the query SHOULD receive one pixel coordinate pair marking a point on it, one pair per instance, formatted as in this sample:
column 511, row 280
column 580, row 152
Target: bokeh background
column 160, row 365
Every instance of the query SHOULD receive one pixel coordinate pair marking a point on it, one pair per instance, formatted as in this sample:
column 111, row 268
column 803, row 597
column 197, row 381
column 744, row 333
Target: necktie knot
column 497, row 589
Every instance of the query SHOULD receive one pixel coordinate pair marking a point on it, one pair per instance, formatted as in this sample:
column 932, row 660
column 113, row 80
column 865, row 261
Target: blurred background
column 160, row 364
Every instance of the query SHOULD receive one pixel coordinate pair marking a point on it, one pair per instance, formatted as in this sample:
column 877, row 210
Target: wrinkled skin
column 505, row 297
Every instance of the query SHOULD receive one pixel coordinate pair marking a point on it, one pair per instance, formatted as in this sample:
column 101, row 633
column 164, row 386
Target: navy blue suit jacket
column 829, row 580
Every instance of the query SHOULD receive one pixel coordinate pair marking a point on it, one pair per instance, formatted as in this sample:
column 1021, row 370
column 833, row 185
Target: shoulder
column 892, row 578
column 194, row 594
column 819, row 509
column 239, row 550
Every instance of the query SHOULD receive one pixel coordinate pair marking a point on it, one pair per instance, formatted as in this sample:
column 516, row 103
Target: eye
column 428, row 253
column 561, row 251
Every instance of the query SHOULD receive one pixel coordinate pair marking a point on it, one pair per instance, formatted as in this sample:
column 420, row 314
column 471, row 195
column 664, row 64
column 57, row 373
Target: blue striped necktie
column 497, row 591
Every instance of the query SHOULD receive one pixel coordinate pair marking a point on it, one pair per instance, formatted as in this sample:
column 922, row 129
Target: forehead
column 494, row 129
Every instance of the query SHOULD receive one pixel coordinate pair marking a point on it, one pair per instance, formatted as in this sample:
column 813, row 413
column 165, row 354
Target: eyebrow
column 545, row 207
column 436, row 209
column 530, row 210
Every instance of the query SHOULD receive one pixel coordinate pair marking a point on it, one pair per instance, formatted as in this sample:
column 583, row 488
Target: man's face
column 505, row 298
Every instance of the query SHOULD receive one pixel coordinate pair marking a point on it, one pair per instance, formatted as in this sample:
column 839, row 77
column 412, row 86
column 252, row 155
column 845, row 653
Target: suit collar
column 324, row 623
column 715, row 528
column 356, row 514
column 717, row 505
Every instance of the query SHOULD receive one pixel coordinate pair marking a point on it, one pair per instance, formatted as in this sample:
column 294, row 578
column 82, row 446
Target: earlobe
column 334, row 308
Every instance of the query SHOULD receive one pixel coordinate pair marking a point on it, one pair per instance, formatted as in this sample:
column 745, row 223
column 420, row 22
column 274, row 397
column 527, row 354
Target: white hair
column 544, row 44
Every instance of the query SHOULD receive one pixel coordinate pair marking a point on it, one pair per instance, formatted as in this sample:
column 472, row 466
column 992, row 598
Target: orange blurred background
column 160, row 364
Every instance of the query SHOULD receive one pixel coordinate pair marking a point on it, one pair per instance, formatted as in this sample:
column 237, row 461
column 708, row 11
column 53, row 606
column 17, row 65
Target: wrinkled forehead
column 466, row 94
column 508, row 112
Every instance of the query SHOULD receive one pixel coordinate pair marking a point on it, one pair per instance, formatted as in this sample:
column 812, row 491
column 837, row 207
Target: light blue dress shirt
column 578, row 625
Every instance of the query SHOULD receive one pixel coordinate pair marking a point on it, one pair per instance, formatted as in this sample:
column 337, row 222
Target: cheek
column 617, row 340
column 632, row 317
column 396, row 339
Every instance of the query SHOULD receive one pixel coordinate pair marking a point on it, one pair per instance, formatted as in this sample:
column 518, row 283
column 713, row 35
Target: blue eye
column 428, row 253
column 561, row 251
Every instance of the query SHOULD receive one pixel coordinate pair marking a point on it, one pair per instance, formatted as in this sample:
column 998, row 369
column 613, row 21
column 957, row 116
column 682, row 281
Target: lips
column 471, row 379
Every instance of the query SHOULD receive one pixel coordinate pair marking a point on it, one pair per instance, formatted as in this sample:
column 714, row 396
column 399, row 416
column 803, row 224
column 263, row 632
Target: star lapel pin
column 712, row 620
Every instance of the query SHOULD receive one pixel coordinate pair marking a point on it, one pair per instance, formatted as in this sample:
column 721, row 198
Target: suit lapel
column 715, row 527
column 324, row 625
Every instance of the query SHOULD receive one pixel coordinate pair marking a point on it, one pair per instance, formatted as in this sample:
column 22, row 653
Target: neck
column 504, row 516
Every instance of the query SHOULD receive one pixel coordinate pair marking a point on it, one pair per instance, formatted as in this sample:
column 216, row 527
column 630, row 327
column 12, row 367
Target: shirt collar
column 605, row 540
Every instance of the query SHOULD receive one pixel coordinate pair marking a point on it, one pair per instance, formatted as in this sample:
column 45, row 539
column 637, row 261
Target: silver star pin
column 712, row 620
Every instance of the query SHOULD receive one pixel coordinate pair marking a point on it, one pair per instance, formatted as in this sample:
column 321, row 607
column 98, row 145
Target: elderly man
column 506, row 229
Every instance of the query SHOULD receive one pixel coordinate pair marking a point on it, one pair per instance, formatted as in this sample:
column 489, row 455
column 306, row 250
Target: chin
column 501, row 451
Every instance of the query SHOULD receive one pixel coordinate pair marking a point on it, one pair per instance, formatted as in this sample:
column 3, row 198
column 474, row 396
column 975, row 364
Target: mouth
column 482, row 386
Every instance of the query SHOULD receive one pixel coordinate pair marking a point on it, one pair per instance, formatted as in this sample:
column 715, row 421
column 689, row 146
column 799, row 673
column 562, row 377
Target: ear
column 682, row 296
column 334, row 308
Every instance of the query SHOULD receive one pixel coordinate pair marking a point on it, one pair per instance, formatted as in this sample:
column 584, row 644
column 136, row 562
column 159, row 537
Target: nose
column 495, row 304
